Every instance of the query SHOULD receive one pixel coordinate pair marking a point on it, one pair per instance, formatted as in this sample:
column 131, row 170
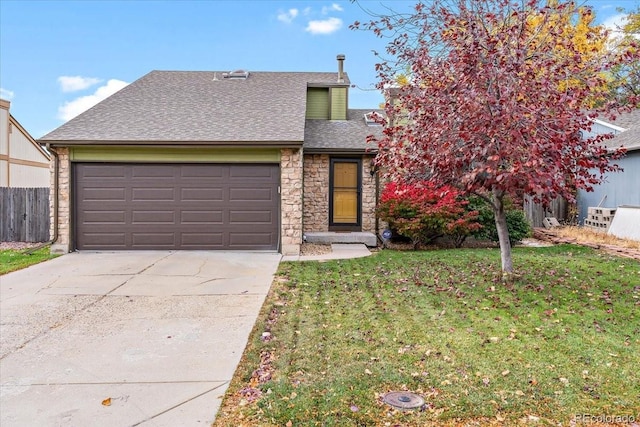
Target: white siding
column 23, row 163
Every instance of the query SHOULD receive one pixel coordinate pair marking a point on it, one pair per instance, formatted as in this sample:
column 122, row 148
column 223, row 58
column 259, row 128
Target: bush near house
column 517, row 224
column 423, row 212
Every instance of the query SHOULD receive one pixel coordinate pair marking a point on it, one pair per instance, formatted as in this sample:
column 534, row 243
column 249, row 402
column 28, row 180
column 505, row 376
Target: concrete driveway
column 126, row 338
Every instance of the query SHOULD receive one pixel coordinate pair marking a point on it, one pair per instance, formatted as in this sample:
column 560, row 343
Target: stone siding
column 291, row 200
column 368, row 196
column 316, row 194
column 63, row 241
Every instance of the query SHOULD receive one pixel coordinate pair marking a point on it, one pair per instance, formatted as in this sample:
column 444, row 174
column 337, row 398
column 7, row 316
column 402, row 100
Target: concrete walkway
column 338, row 251
column 127, row 338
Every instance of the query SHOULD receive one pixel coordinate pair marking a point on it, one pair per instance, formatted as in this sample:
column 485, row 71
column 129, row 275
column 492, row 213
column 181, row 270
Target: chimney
column 340, row 59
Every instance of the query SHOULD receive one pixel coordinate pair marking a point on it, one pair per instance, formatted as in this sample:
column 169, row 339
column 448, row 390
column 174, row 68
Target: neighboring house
column 214, row 160
column 621, row 188
column 23, row 162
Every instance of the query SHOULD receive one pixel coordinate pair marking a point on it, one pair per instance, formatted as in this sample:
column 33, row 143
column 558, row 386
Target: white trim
column 609, row 125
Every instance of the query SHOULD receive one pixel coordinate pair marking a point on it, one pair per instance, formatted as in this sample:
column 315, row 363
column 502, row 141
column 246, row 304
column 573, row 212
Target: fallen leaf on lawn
column 106, row 402
column 289, row 424
column 506, row 372
column 368, row 372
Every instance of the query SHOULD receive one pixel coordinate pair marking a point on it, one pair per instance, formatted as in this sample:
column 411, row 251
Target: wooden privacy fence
column 535, row 213
column 24, row 214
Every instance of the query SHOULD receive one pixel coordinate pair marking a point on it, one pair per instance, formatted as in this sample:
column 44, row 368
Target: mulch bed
column 550, row 235
column 18, row 246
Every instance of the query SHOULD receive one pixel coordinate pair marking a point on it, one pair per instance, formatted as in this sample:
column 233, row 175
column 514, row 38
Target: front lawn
column 12, row 260
column 334, row 337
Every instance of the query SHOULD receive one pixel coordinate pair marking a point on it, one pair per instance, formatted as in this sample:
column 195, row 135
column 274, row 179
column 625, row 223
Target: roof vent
column 371, row 118
column 237, row 74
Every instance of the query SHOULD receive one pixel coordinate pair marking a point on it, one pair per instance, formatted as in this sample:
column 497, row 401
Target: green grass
column 564, row 339
column 12, row 260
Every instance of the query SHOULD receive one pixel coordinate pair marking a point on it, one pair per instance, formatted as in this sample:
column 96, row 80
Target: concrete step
column 329, row 237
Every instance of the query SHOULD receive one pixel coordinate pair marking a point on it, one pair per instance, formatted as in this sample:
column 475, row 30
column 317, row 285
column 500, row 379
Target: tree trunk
column 503, row 235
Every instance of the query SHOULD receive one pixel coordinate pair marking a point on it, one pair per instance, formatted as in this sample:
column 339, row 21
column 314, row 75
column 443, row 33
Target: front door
column 344, row 194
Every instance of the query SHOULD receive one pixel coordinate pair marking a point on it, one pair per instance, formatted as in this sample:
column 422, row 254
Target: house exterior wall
column 316, row 194
column 291, row 166
column 338, row 103
column 62, row 241
column 369, row 197
column 23, row 163
column 317, row 103
column 620, row 188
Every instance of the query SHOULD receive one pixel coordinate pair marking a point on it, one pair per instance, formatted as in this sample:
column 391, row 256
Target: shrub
column 517, row 224
column 423, row 212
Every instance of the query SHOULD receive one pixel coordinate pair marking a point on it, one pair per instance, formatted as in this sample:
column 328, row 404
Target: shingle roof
column 629, row 138
column 199, row 106
column 340, row 135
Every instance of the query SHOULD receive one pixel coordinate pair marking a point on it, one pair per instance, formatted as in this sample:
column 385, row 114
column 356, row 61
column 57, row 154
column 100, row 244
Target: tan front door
column 345, row 192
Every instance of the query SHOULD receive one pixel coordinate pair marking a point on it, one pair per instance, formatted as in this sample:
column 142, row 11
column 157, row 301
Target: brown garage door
column 176, row 206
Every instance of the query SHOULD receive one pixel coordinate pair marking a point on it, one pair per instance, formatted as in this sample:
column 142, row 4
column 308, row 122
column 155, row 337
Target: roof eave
column 220, row 144
column 340, row 151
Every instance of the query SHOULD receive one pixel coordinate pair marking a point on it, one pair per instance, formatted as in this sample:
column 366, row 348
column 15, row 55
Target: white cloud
column 76, row 83
column 70, row 109
column 333, row 8
column 6, row 94
column 288, row 16
column 327, row 26
column 615, row 22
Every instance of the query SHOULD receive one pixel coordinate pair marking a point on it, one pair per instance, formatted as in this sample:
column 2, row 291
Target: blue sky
column 60, row 57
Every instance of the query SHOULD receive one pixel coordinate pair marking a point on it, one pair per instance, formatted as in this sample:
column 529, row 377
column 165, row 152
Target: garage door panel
column 203, row 171
column 152, row 171
column 203, row 240
column 202, row 217
column 106, row 240
column 250, row 217
column 242, row 240
column 113, row 217
column 250, row 194
column 173, row 206
column 104, row 171
column 153, row 217
column 105, row 194
column 166, row 194
column 252, row 171
column 201, row 193
column 157, row 240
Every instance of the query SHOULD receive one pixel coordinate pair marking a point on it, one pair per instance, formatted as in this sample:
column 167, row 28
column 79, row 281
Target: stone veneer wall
column 62, row 244
column 291, row 200
column 368, row 196
column 316, row 194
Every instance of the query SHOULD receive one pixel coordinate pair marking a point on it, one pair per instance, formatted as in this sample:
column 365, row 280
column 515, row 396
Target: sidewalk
column 338, row 251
